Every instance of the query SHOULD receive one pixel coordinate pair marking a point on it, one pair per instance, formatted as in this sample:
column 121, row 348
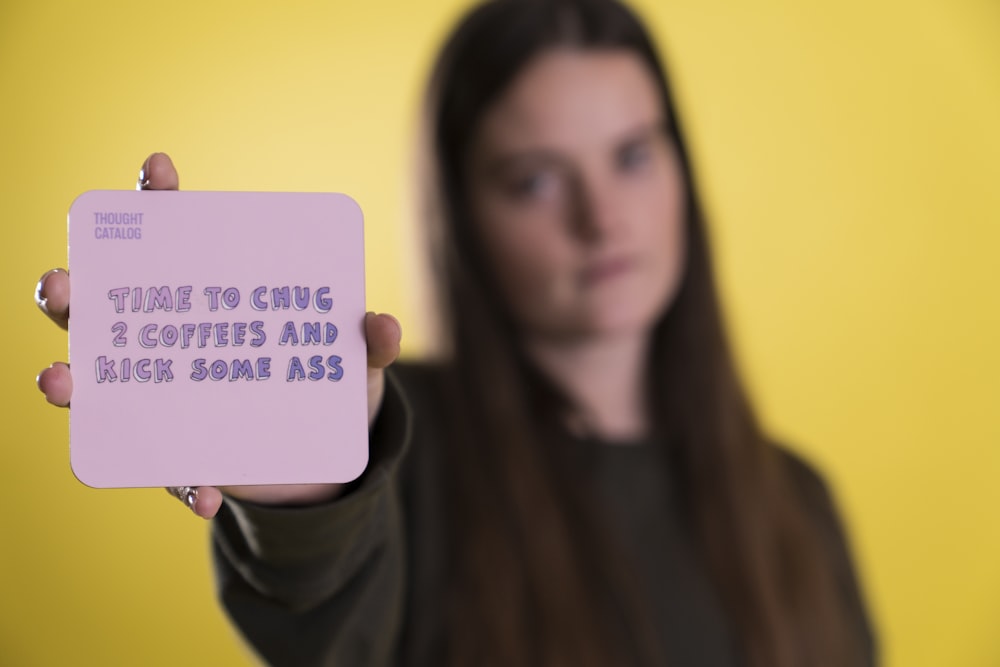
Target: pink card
column 217, row 338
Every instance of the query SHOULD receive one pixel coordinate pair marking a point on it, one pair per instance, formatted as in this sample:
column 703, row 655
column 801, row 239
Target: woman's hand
column 383, row 334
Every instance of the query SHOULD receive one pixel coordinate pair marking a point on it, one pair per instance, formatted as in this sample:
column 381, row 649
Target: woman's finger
column 56, row 383
column 384, row 334
column 158, row 173
column 52, row 296
column 204, row 501
column 52, row 290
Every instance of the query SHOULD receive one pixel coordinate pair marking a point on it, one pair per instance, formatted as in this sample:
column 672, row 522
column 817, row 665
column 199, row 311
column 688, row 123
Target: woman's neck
column 604, row 378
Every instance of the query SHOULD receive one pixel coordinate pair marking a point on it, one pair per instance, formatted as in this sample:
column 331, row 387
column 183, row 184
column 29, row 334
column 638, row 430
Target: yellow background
column 848, row 154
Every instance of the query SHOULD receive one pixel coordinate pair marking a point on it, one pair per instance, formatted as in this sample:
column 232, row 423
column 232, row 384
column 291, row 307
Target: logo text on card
column 120, row 225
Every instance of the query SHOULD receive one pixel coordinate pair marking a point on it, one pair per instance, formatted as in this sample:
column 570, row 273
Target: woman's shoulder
column 811, row 489
column 805, row 478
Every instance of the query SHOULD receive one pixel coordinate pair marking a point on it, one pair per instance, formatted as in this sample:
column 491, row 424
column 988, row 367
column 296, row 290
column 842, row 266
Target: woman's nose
column 596, row 215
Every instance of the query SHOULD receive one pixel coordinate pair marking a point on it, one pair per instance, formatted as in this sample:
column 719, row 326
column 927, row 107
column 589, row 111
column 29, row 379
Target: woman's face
column 578, row 195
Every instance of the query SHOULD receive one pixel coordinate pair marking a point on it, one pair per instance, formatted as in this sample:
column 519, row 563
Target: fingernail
column 191, row 499
column 186, row 494
column 143, row 181
column 41, row 300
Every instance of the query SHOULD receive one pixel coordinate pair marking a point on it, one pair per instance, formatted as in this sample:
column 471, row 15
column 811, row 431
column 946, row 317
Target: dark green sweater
column 358, row 581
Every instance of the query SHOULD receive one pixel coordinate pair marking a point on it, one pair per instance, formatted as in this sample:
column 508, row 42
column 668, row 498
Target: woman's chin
column 617, row 324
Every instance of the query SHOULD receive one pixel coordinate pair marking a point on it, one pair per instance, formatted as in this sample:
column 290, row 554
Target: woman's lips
column 606, row 269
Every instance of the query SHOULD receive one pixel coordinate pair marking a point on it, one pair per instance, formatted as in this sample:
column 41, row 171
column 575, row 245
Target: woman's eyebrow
column 545, row 157
column 645, row 132
column 535, row 157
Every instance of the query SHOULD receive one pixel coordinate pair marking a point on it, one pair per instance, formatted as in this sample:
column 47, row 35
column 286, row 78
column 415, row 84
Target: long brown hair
column 532, row 580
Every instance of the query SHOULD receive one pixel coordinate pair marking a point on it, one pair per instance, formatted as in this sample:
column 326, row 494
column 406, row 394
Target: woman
column 583, row 482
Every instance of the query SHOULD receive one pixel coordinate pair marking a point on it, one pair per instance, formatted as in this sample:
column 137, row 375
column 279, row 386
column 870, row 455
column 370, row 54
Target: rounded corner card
column 217, row 338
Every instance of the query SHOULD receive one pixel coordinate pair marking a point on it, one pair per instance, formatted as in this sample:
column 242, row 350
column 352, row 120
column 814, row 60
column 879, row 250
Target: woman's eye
column 634, row 156
column 533, row 185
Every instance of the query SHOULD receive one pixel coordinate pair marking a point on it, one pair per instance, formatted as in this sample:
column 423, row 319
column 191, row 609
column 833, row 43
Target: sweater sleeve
column 322, row 585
